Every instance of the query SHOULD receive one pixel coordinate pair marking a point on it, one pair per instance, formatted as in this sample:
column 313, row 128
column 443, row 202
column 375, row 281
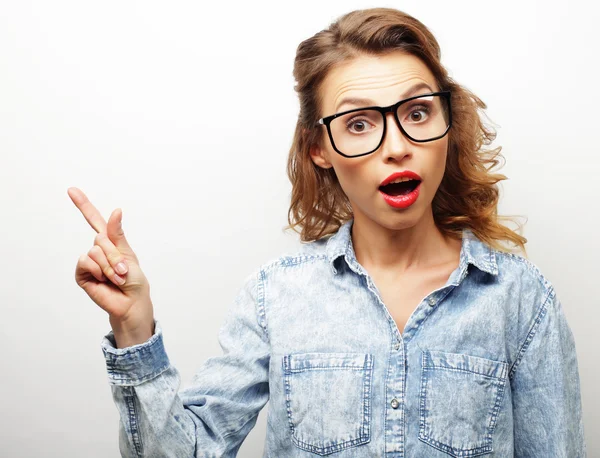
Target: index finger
column 90, row 213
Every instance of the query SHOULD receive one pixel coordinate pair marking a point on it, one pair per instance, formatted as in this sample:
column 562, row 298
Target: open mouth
column 400, row 189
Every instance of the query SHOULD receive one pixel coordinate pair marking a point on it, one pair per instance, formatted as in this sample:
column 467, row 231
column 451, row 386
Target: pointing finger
column 90, row 213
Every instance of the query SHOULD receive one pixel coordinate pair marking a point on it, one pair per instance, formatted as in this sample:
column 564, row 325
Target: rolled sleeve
column 136, row 364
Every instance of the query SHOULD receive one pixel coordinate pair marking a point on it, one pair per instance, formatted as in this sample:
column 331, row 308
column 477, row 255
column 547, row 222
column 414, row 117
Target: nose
column 395, row 144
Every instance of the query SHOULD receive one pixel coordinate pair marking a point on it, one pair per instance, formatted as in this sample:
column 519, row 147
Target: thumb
column 114, row 230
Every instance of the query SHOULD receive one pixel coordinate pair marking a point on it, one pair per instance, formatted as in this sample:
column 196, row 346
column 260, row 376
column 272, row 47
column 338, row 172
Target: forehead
column 382, row 78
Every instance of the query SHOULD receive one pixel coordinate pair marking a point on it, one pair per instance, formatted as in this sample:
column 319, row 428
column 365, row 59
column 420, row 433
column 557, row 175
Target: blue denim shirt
column 486, row 366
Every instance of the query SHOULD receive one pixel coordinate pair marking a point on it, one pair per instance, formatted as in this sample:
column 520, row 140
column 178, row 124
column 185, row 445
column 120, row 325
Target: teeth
column 400, row 180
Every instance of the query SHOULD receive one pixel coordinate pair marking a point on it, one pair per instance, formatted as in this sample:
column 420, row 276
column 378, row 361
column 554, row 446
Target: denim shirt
column 486, row 366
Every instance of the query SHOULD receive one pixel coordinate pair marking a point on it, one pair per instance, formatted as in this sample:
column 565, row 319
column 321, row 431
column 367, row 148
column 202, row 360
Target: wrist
column 127, row 335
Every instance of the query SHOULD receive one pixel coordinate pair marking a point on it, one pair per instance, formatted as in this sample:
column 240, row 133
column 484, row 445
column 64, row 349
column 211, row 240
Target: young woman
column 402, row 327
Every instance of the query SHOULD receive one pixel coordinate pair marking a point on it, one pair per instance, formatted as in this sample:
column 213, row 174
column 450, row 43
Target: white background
column 182, row 114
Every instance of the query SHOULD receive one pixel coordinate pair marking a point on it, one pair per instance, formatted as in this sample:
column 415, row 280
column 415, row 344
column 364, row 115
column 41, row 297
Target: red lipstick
column 402, row 200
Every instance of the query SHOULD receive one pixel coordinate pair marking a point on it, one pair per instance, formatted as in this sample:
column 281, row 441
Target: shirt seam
column 541, row 313
column 287, row 261
column 290, row 261
column 260, row 303
column 531, row 267
column 132, row 411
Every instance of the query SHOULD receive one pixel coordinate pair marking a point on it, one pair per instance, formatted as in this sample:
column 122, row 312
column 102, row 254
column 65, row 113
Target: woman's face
column 384, row 80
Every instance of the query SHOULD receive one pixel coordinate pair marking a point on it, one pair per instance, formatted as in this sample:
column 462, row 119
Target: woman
column 402, row 328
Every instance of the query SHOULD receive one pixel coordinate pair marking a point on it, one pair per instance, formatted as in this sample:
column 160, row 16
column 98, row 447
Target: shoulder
column 296, row 266
column 308, row 258
column 308, row 253
column 289, row 273
column 529, row 293
column 516, row 268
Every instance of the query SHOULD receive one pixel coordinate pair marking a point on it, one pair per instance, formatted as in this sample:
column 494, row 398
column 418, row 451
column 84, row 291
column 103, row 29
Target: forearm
column 153, row 420
column 145, row 391
column 209, row 419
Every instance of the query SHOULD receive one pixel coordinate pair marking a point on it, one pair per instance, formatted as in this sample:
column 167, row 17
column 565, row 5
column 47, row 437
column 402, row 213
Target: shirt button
column 395, row 403
column 431, row 301
column 397, row 346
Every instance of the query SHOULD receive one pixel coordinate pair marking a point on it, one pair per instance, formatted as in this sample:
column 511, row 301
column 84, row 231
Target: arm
column 546, row 389
column 214, row 415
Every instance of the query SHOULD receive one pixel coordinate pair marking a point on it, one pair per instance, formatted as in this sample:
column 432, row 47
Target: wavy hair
column 468, row 194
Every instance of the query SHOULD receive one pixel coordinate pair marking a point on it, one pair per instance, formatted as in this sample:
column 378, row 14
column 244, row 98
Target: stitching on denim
column 490, row 263
column 129, row 396
column 286, row 381
column 485, row 362
column 366, row 426
column 493, row 261
column 389, row 376
column 260, row 303
column 454, row 451
column 422, row 394
column 496, row 410
column 327, row 368
column 532, row 332
column 363, row 432
column 531, row 267
column 330, row 448
column 411, row 334
column 290, row 261
column 456, row 369
column 120, row 379
column 500, row 383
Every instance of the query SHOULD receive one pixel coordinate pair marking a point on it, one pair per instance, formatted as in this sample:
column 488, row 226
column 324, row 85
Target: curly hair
column 467, row 196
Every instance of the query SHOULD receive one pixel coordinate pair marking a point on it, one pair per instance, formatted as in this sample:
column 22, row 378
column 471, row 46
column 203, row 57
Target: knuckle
column 108, row 270
column 99, row 238
column 94, row 251
column 113, row 258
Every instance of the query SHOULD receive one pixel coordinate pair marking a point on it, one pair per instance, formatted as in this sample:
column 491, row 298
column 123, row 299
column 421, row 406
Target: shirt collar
column 473, row 251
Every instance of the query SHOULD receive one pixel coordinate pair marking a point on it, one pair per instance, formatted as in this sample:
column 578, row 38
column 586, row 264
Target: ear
column 319, row 157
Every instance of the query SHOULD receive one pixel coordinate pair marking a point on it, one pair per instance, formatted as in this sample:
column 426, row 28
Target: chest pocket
column 459, row 402
column 328, row 400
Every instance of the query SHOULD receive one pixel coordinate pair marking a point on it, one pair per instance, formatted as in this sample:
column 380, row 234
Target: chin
column 396, row 221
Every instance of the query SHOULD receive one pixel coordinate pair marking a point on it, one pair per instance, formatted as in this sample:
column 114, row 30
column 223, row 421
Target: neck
column 412, row 249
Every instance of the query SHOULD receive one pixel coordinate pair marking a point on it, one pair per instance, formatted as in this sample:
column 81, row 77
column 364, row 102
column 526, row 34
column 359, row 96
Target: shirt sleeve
column 546, row 388
column 213, row 416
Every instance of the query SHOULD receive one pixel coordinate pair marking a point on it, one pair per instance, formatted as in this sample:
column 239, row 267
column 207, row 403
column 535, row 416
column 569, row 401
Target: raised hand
column 123, row 294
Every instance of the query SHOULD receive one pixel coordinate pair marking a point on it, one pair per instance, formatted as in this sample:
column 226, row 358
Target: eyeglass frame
column 326, row 121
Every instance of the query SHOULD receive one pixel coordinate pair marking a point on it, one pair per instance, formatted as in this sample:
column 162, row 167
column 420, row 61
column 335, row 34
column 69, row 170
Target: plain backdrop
column 182, row 113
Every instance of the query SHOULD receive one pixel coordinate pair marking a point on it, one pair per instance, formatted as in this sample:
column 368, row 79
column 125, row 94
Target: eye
column 418, row 113
column 357, row 125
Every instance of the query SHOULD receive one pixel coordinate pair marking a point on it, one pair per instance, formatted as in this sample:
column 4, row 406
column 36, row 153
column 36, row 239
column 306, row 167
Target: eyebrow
column 359, row 101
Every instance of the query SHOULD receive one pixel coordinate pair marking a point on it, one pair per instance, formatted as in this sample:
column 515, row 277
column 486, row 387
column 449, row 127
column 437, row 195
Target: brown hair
column 467, row 196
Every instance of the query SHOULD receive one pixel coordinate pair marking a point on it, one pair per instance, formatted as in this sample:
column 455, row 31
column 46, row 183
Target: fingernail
column 119, row 280
column 121, row 268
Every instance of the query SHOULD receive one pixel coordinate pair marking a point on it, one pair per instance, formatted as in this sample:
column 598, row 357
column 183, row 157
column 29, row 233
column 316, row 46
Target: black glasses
column 358, row 132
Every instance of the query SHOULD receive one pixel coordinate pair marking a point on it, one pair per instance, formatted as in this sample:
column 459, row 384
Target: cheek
column 352, row 174
column 439, row 155
column 438, row 166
